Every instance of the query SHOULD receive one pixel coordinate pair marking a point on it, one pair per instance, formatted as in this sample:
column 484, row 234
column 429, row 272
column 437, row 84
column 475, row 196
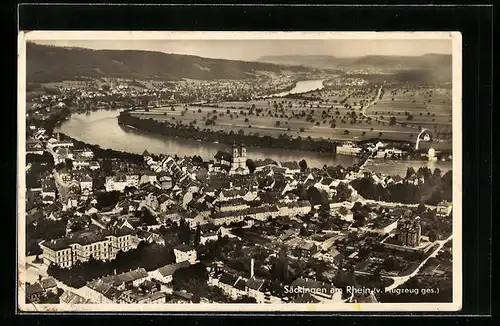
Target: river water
column 302, row 86
column 101, row 128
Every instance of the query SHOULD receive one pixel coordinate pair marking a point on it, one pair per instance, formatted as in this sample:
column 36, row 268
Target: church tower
column 239, row 161
column 243, row 152
column 235, row 151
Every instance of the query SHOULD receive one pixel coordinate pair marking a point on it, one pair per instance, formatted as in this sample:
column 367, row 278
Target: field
column 328, row 114
column 429, row 108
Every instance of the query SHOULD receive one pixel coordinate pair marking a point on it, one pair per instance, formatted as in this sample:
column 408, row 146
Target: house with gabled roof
column 132, row 278
column 127, row 206
column 33, row 292
column 49, row 284
column 227, row 282
column 300, row 207
column 101, row 292
column 166, row 273
column 69, row 297
column 292, row 167
column 150, row 237
column 208, row 236
column 184, row 252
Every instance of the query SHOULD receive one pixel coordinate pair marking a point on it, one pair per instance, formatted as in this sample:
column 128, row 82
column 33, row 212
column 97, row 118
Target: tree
column 69, row 163
column 359, row 218
column 391, row 264
column 245, row 299
column 191, row 279
column 108, row 199
column 392, row 121
column 437, row 173
column 376, row 279
column 251, row 165
column 343, row 192
column 357, row 206
column 409, row 172
column 433, row 235
column 278, row 123
column 303, row 165
column 146, row 217
column 421, row 209
column 317, row 197
column 197, row 235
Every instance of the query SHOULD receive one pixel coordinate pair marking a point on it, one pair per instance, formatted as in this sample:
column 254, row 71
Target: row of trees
column 191, row 132
column 434, row 189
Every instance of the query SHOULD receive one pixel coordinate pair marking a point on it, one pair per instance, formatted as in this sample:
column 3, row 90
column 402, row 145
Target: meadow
column 331, row 113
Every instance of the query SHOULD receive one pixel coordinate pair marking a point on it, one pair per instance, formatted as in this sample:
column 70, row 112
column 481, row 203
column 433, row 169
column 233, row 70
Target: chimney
column 252, row 268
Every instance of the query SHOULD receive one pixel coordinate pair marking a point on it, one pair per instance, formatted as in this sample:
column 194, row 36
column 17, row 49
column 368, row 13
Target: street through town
column 400, row 280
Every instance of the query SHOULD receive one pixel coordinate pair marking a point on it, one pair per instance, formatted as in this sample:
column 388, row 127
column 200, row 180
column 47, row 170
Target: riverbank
column 301, row 86
column 89, row 129
column 279, row 91
column 101, row 129
column 192, row 132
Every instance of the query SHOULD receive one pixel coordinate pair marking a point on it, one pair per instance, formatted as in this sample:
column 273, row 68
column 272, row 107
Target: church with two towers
column 239, row 160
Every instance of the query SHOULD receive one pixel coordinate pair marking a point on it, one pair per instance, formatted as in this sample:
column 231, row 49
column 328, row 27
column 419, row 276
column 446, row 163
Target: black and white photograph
column 239, row 171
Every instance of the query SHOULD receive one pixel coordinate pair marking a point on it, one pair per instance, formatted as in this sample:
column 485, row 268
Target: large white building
column 118, row 183
column 80, row 246
column 348, row 148
column 300, row 207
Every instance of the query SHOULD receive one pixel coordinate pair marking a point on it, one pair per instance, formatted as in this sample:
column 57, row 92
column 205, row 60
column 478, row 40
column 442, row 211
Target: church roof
column 220, row 155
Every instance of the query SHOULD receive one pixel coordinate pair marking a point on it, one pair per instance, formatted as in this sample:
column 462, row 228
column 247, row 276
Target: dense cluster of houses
column 213, row 197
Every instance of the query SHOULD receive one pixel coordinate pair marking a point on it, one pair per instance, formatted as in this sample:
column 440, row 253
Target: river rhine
column 101, row 128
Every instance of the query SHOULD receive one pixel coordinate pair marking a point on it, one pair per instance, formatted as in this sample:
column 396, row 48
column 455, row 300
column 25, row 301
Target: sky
column 250, row 50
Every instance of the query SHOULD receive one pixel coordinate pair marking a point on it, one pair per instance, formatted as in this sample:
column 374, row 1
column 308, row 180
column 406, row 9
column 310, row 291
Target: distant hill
column 50, row 63
column 370, row 61
column 421, row 62
column 316, row 61
column 434, row 66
